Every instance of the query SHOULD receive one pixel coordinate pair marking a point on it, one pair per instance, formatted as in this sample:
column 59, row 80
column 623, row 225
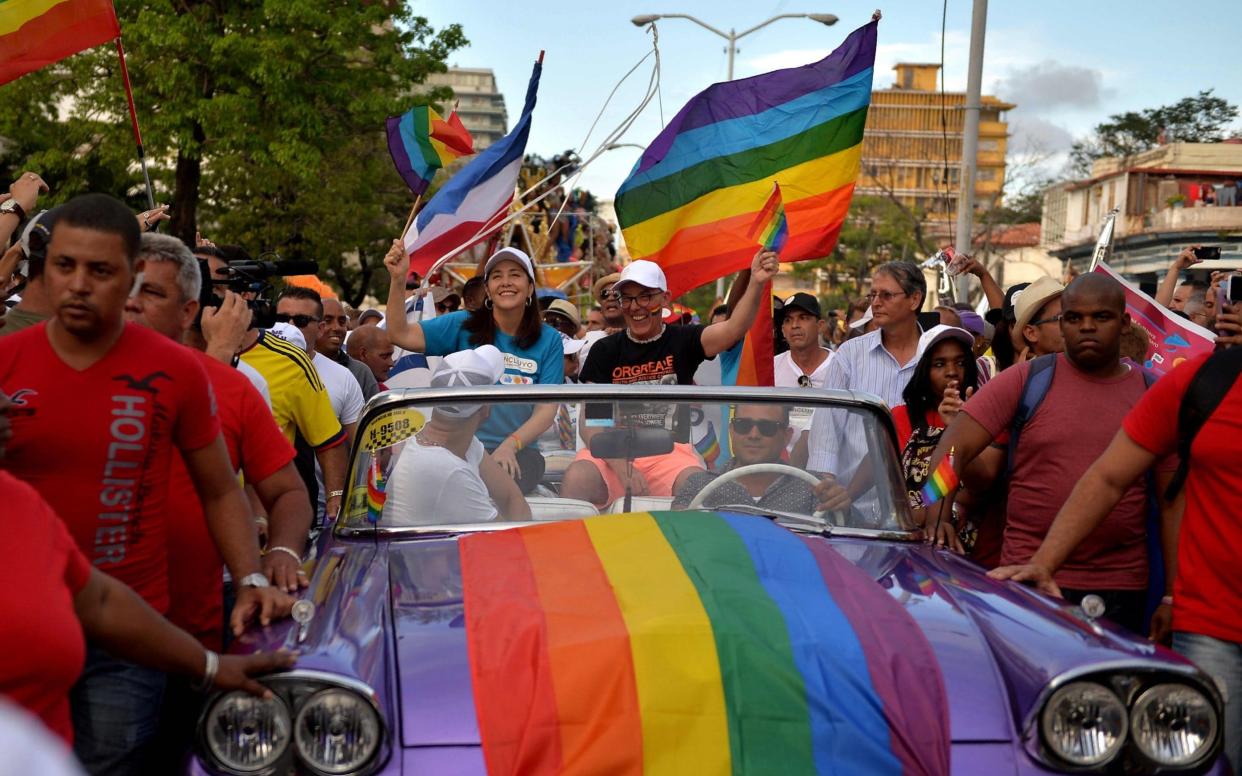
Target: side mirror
column 631, row 443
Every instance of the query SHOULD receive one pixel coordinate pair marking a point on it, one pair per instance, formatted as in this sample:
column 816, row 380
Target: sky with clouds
column 1067, row 65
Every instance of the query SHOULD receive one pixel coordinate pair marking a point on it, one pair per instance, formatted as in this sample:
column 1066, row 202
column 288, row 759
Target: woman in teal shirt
column 511, row 320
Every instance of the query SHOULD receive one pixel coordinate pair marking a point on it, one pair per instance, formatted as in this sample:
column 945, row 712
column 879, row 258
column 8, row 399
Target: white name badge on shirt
column 525, row 365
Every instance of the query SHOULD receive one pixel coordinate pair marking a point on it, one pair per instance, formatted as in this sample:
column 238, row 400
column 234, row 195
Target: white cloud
column 1048, row 85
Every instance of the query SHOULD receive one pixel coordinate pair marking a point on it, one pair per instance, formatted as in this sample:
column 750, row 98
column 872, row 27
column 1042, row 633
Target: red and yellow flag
column 37, row 33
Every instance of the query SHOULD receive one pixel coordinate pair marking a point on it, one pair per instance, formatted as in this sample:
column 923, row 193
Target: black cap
column 994, row 316
column 805, row 302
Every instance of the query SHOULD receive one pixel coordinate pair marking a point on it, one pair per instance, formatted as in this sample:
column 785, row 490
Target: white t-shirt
column 786, row 374
column 432, row 486
column 343, row 389
column 257, row 380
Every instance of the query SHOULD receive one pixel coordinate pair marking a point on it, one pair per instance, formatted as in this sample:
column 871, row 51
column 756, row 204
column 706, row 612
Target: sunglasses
column 560, row 323
column 766, row 428
column 804, row 381
column 447, row 307
column 298, row 321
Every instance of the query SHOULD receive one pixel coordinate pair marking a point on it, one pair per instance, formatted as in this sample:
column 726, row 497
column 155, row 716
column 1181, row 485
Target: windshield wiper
column 807, row 523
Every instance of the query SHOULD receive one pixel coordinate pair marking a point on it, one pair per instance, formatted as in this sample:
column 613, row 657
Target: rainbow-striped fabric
column 771, row 229
column 376, row 491
column 420, row 142
column 36, row 33
column 693, row 196
column 939, row 482
column 705, row 643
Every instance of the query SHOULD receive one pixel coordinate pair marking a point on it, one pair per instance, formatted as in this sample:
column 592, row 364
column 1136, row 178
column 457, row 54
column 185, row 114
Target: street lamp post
column 732, row 37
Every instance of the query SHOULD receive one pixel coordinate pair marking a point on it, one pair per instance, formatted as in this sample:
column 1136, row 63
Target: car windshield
column 448, row 458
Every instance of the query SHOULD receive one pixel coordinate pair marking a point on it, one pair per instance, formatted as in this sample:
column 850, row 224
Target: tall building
column 480, row 104
column 913, row 134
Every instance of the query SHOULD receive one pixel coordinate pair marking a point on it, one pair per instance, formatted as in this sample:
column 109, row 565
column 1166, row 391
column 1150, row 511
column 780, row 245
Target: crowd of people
column 133, row 388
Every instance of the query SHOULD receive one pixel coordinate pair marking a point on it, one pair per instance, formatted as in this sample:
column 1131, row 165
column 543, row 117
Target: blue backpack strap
column 1038, row 381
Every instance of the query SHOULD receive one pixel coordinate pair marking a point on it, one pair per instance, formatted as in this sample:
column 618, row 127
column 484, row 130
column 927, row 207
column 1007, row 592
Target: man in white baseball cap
column 650, row 351
column 443, row 474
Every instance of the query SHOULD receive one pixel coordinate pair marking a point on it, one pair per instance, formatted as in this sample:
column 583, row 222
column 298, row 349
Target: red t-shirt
column 97, row 443
column 1207, row 593
column 258, row 449
column 40, row 636
column 1076, row 421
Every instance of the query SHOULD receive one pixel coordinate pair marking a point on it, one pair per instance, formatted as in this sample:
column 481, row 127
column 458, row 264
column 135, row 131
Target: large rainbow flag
column 697, row 189
column 36, row 33
column 750, row 362
column 675, row 643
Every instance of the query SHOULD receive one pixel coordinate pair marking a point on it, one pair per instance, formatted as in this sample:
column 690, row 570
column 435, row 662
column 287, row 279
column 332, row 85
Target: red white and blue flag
column 474, row 200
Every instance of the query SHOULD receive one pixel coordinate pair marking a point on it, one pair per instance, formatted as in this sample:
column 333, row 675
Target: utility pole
column 970, row 138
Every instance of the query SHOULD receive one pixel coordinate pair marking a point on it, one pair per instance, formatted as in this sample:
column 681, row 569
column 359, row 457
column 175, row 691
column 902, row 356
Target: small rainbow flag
column 421, row 142
column 37, row 33
column 376, row 485
column 940, row 482
column 770, row 228
column 692, row 642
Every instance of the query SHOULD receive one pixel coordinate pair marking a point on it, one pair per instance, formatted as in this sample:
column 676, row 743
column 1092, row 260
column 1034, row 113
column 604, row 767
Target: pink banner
column 1173, row 338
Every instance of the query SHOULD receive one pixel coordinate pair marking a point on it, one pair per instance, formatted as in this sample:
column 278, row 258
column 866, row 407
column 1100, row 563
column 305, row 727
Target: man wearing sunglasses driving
column 758, row 434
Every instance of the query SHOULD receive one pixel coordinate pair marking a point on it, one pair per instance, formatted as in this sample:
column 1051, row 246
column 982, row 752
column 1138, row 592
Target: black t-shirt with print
column 670, row 360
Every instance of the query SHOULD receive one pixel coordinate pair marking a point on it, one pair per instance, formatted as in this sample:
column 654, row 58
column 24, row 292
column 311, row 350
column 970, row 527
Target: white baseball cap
column 470, row 368
column 571, row 345
column 590, row 339
column 644, row 273
column 939, row 333
column 289, row 333
column 509, row 254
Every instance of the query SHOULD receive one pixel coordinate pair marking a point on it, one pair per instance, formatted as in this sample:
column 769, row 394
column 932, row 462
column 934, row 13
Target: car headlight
column 337, row 731
column 246, row 734
column 1173, row 724
column 1084, row 723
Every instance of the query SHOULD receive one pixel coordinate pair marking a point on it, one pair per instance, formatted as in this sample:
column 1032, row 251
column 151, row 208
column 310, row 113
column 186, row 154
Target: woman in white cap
column 945, row 377
column 511, row 320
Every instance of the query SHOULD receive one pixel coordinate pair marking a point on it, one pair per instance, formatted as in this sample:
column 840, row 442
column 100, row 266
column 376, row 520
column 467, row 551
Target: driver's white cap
column 468, row 368
column 645, row 273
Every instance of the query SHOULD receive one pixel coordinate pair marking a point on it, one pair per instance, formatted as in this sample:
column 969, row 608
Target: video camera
column 250, row 278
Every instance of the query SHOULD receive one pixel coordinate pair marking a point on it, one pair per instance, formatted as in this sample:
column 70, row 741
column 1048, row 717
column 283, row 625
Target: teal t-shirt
column 543, row 363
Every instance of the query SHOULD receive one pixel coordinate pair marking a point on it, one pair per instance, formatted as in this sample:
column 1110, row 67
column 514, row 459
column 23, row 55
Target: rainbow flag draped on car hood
column 697, row 189
column 674, row 643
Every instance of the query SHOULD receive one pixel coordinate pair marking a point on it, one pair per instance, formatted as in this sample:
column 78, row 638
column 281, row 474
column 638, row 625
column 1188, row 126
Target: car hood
column 998, row 644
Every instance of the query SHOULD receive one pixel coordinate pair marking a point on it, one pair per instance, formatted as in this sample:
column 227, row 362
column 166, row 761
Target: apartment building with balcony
column 914, row 134
column 1162, row 196
column 480, row 104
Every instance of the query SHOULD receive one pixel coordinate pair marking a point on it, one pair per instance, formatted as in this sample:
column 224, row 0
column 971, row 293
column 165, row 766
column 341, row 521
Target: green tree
column 263, row 122
column 1199, row 119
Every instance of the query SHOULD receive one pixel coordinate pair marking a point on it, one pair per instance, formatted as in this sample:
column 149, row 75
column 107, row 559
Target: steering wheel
column 838, row 516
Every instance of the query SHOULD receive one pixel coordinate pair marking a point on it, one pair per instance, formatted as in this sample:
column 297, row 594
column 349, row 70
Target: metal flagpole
column 1104, row 246
column 133, row 118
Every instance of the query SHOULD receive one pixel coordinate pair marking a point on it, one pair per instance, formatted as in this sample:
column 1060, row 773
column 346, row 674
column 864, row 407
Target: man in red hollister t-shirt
column 1090, row 394
column 99, row 406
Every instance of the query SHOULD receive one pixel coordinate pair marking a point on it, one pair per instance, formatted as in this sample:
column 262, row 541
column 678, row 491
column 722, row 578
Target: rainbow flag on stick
column 376, row 492
column 673, row 643
column 940, row 482
column 420, row 142
column 693, row 197
column 37, row 33
column 770, row 229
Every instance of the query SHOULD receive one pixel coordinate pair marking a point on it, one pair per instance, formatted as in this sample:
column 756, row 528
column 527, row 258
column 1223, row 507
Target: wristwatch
column 257, row 579
column 12, row 206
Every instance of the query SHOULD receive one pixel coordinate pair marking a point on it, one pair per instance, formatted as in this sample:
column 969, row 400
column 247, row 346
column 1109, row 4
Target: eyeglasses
column 1042, row 321
column 804, row 381
column 766, row 428
column 643, row 300
column 298, row 321
column 884, row 296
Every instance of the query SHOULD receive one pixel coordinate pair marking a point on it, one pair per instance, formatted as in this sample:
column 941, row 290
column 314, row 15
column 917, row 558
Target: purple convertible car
column 452, row 627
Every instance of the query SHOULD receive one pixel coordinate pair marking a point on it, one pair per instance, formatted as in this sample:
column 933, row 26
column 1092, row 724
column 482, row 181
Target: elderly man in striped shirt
column 880, row 363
